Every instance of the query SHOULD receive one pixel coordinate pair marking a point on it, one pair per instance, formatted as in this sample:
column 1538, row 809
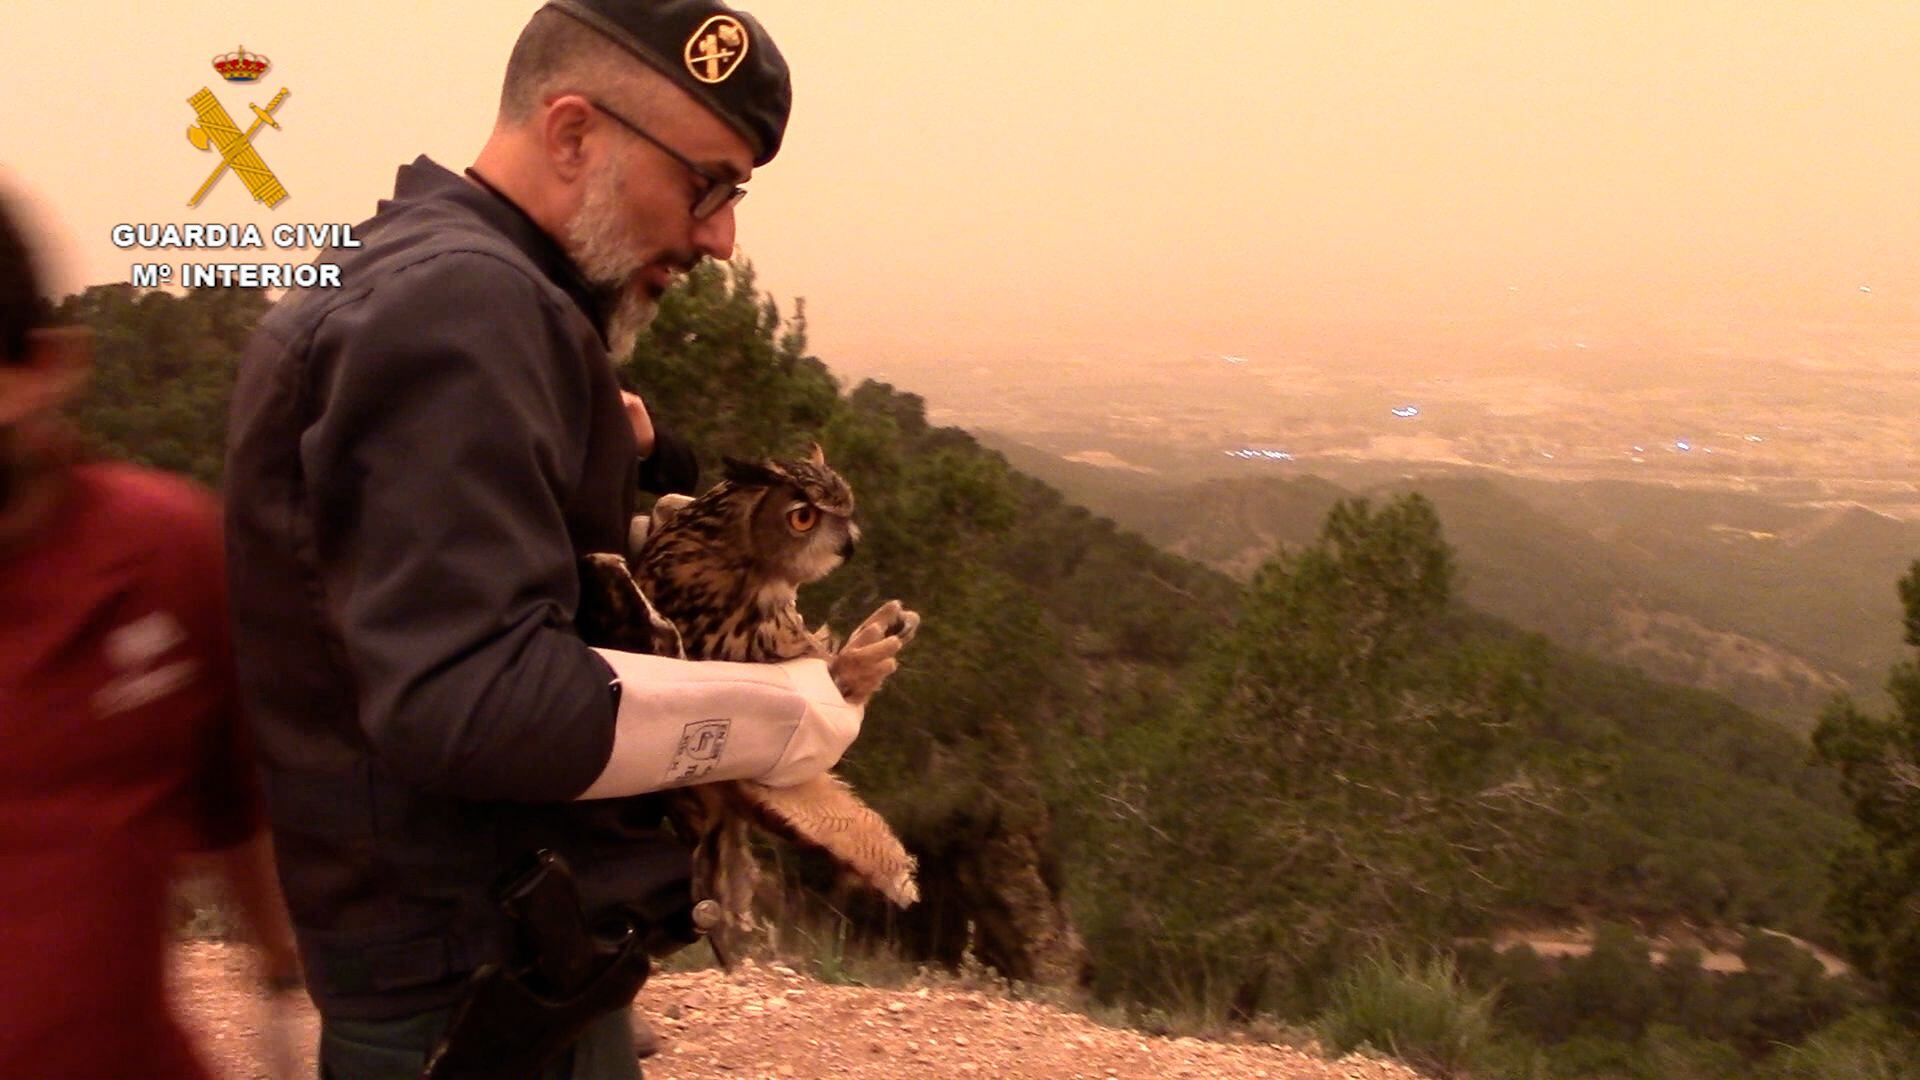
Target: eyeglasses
column 719, row 193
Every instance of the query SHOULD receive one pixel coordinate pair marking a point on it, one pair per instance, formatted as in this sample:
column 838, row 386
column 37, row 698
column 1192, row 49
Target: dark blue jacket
column 415, row 462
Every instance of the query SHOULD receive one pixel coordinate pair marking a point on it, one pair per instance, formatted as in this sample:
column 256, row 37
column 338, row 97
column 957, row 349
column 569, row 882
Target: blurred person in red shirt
column 121, row 749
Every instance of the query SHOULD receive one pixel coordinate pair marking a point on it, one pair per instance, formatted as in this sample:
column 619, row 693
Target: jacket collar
column 425, row 179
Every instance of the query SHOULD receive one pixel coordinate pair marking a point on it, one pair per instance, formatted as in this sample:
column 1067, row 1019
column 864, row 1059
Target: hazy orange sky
column 989, row 183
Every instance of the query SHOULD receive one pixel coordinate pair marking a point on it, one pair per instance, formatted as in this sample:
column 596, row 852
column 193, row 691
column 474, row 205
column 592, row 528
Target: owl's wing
column 641, row 526
column 614, row 613
column 665, row 507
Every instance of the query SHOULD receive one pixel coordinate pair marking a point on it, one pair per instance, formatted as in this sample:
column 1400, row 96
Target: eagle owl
column 717, row 579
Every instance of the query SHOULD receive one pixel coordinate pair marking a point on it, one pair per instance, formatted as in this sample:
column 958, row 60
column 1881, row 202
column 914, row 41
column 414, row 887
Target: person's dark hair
column 557, row 54
column 20, row 309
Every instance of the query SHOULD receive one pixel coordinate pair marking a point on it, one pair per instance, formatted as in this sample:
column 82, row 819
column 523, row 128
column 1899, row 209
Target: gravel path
column 768, row 1021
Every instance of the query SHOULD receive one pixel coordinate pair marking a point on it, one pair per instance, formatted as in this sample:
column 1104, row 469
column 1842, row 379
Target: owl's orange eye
column 803, row 518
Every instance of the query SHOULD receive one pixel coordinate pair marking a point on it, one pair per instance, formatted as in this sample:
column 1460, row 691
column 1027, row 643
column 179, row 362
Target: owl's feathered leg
column 824, row 813
column 701, row 816
column 735, row 873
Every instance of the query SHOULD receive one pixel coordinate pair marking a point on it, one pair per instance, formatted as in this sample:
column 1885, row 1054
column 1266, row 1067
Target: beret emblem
column 715, row 50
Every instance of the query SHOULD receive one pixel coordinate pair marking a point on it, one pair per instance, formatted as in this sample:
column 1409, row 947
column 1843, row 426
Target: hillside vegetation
column 1776, row 606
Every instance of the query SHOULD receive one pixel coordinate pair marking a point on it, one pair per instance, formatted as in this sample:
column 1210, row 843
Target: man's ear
column 562, row 127
column 52, row 372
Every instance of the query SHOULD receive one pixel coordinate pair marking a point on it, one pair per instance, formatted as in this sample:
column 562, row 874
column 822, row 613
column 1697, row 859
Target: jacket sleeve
column 672, row 468
column 452, row 408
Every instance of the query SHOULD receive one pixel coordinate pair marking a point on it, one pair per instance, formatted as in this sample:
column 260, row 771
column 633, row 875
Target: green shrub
column 1612, row 992
column 1668, row 1052
column 1421, row 1013
column 1588, row 1056
column 1864, row 1046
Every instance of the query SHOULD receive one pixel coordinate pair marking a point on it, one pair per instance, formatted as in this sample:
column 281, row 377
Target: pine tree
column 1875, row 905
column 1356, row 775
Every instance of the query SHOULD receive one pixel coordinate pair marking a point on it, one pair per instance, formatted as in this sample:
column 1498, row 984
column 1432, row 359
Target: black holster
column 517, row 1017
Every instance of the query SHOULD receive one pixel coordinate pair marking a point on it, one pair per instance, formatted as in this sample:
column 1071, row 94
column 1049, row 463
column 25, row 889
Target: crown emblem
column 241, row 65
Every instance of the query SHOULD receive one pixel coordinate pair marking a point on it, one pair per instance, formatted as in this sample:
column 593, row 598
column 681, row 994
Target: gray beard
column 632, row 314
column 600, row 248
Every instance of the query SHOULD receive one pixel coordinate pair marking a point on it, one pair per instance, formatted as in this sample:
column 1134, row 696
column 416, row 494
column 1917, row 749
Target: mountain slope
column 1775, row 605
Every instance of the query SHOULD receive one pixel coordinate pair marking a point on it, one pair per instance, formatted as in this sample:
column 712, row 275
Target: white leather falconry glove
column 683, row 722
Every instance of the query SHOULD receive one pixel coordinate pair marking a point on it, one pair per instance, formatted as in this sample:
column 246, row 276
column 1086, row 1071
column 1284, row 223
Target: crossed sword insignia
column 714, row 54
column 216, row 128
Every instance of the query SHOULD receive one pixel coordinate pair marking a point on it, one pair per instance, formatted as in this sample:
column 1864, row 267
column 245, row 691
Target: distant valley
column 1730, row 517
column 1776, row 605
column 1824, row 432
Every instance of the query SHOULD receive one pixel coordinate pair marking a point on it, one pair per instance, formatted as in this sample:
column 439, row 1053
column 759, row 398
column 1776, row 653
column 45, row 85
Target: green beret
column 722, row 57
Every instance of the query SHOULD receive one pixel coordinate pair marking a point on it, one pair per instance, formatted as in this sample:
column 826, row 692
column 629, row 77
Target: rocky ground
column 769, row 1021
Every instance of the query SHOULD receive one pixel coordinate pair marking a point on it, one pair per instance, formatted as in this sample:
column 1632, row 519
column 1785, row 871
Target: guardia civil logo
column 216, row 130
column 716, row 49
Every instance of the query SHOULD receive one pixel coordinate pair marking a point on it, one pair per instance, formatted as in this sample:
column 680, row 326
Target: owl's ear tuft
column 817, row 457
column 750, row 473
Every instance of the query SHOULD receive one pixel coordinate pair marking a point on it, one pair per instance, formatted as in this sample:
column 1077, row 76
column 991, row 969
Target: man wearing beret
column 417, row 460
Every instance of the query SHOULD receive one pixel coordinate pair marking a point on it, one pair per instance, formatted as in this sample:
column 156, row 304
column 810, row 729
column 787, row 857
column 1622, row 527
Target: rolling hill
column 1778, row 606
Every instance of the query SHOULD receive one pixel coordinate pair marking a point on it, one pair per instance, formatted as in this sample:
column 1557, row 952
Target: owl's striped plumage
column 725, row 570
